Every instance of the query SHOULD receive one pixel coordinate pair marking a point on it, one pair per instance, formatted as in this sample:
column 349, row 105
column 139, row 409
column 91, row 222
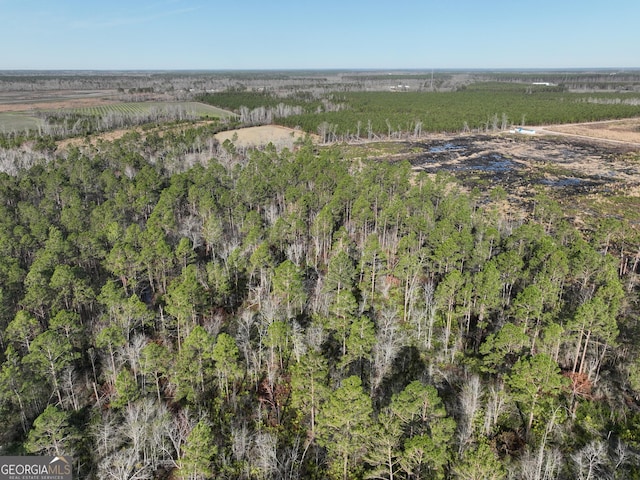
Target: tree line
column 296, row 315
column 481, row 107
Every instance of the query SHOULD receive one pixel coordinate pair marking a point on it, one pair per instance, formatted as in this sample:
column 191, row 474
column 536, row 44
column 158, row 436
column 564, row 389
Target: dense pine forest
column 176, row 307
column 292, row 314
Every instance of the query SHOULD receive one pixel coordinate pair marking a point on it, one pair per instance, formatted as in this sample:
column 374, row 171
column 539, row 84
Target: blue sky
column 342, row 34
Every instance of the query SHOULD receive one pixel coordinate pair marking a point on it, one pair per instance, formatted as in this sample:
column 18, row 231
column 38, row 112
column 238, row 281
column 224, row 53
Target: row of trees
column 293, row 315
column 70, row 123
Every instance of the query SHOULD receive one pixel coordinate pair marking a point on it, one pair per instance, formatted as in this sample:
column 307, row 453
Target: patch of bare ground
column 577, row 171
column 280, row 137
column 33, row 101
column 623, row 131
column 94, row 139
column 543, row 157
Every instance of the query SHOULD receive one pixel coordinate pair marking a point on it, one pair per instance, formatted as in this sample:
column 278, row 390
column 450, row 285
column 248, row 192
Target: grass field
column 12, row 122
column 17, row 121
column 144, row 108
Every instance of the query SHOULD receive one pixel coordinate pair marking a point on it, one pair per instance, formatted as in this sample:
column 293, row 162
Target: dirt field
column 48, row 100
column 625, row 131
column 570, row 163
column 281, row 137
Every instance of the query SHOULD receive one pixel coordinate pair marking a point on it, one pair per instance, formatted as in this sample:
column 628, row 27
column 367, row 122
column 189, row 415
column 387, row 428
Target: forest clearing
column 624, row 131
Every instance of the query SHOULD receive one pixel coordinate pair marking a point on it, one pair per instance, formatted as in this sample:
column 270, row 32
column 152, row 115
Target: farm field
column 19, row 101
column 11, row 121
column 143, row 108
column 20, row 111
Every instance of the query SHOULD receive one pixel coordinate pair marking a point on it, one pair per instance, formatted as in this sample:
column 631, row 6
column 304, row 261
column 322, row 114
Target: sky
column 324, row 34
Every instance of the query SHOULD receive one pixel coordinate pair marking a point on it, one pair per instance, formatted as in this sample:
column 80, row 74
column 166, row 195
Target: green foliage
column 390, row 112
column 52, row 434
column 298, row 314
column 127, row 390
column 233, row 100
column 361, row 341
column 344, row 424
column 536, row 385
column 502, row 348
column 309, row 377
column 199, row 450
column 22, row 330
column 49, row 355
column 194, row 366
column 428, row 431
column 481, row 463
column 225, row 354
column 288, row 286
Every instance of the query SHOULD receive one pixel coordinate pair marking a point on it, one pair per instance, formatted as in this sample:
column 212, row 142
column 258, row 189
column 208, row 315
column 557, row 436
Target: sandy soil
column 262, row 135
column 107, row 136
column 623, row 131
column 281, row 137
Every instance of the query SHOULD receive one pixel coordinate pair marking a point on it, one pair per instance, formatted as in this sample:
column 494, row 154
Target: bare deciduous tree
column 591, row 461
column 469, row 406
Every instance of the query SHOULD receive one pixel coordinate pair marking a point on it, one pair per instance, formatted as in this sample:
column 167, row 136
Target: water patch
column 492, row 163
column 563, row 182
column 447, row 147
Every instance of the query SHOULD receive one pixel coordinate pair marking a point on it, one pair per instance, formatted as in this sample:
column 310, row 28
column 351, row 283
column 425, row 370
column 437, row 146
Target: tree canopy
column 294, row 314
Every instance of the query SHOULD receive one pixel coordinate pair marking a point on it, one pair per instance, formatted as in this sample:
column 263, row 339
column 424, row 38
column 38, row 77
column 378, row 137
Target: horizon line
column 324, row 69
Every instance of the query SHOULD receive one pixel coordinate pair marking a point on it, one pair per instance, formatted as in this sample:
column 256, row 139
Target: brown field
column 48, row 100
column 281, row 137
column 258, row 136
column 623, row 131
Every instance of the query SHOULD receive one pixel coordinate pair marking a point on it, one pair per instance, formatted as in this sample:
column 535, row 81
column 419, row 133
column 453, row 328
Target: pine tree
column 198, row 451
column 344, row 426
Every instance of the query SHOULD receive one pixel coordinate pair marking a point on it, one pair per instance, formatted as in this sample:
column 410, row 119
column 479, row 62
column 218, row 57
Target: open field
column 588, row 176
column 11, row 121
column 20, row 101
column 250, row 137
column 21, row 110
column 195, row 109
column 262, row 135
column 626, row 131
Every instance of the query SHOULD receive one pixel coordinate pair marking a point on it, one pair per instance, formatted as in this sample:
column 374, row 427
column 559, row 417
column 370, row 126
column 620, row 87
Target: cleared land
column 24, row 110
column 141, row 108
column 17, row 121
column 51, row 100
column 626, row 131
column 281, row 137
column 590, row 177
column 262, row 135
